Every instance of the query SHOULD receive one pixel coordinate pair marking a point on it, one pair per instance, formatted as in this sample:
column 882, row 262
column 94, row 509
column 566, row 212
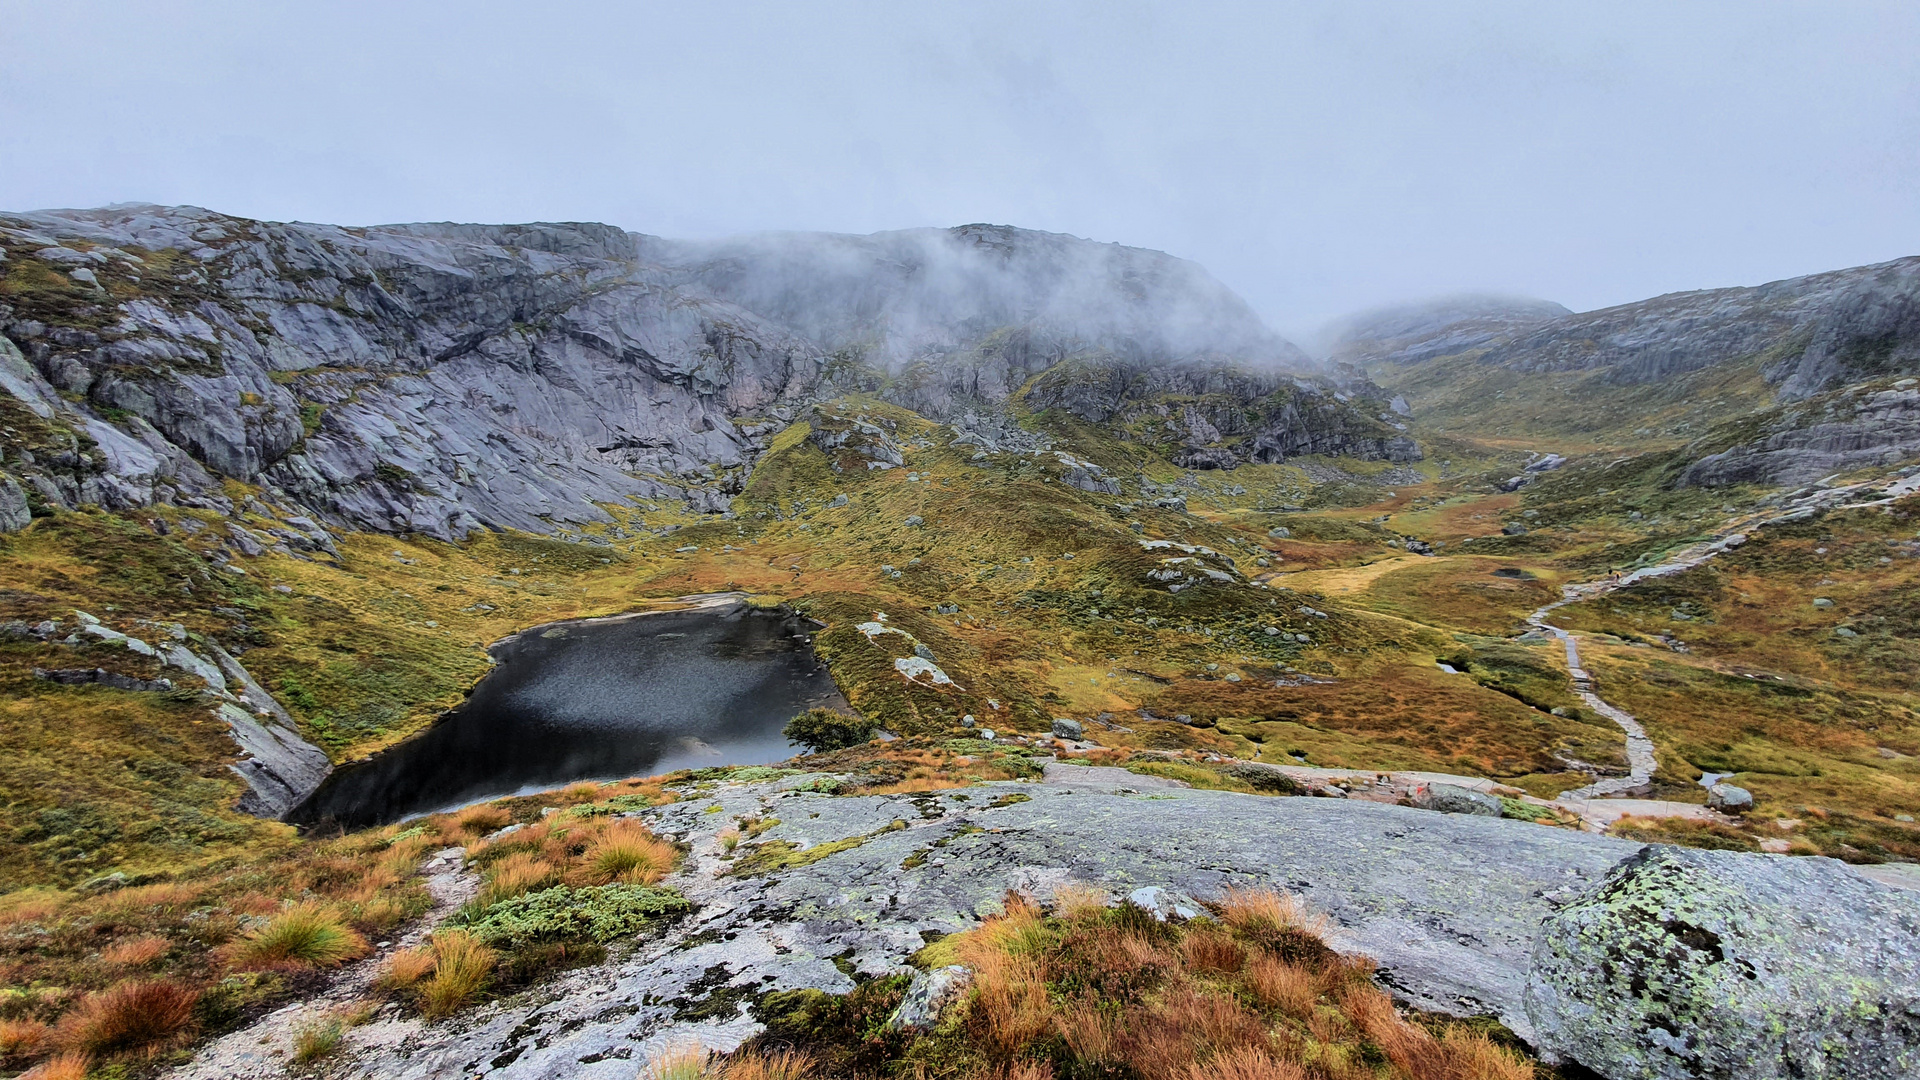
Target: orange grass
column 131, row 1018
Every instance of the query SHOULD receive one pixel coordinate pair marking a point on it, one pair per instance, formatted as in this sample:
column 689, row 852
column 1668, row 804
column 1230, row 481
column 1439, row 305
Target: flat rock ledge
column 1449, row 905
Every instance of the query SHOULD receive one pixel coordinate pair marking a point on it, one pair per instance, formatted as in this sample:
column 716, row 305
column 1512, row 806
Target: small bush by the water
column 131, row 1018
column 598, row 913
column 823, row 730
column 305, row 935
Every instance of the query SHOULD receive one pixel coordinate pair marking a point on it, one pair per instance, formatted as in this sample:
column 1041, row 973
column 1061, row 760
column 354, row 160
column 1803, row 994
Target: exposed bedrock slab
column 1448, row 904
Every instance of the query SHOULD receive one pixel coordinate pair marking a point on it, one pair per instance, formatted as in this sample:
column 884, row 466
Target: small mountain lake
column 598, row 699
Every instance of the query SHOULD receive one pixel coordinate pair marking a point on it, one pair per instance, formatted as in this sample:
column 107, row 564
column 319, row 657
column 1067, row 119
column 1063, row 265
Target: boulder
column 14, row 514
column 1261, row 776
column 1686, row 963
column 928, row 994
column 1729, row 799
column 1450, row 799
column 1165, row 904
column 1064, row 728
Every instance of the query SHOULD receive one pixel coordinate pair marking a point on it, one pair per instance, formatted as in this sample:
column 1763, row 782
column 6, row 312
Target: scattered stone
column 1452, row 799
column 1822, row 603
column 914, row 521
column 102, row 677
column 106, row 883
column 1728, row 798
column 929, row 994
column 1064, row 728
column 14, row 514
column 1280, row 532
column 1165, row 904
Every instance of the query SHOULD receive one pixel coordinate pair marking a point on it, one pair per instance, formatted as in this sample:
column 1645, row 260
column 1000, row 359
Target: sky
column 1320, row 158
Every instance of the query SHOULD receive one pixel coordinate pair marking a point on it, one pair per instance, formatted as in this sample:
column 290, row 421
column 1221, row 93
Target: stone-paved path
column 1641, row 763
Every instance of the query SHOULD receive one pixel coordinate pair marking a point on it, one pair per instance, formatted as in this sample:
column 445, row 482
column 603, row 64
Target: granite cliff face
column 437, row 378
column 412, row 378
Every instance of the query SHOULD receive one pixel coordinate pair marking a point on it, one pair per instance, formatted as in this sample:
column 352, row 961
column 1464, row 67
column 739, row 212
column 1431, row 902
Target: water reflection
column 598, row 700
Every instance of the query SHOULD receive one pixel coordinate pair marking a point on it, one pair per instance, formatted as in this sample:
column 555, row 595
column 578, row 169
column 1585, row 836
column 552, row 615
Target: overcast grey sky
column 1317, row 157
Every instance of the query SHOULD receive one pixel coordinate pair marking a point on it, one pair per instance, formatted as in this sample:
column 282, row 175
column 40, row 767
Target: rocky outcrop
column 1450, row 906
column 1210, row 415
column 424, row 378
column 1685, row 963
column 437, row 378
column 1863, row 427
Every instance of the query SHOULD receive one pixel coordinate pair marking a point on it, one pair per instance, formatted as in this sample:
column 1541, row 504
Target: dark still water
column 598, row 700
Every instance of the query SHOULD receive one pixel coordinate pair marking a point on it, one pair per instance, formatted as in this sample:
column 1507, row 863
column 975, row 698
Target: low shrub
column 823, row 730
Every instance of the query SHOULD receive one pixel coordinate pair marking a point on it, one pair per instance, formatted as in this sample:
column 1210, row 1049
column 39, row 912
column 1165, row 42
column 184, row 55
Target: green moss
column 773, row 856
column 601, row 913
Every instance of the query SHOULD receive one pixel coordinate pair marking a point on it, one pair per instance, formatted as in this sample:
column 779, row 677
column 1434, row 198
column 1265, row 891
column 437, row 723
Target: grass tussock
column 317, row 1038
column 136, row 952
column 303, row 936
column 628, row 853
column 68, row 1066
column 461, row 967
column 134, row 1018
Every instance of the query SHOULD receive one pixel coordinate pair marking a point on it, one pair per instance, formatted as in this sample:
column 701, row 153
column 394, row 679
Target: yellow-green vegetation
column 1315, row 639
column 141, row 970
column 1797, row 677
column 1576, row 410
column 1249, row 991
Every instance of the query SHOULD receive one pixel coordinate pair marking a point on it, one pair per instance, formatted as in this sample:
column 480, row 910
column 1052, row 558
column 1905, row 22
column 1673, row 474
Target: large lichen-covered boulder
column 1685, row 963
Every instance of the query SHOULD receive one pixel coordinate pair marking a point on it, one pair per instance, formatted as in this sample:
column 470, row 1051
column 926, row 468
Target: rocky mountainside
column 1813, row 333
column 1410, row 333
column 435, row 378
column 894, row 298
column 1781, row 383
